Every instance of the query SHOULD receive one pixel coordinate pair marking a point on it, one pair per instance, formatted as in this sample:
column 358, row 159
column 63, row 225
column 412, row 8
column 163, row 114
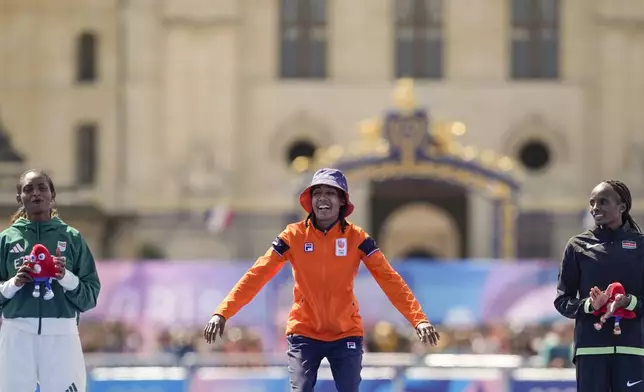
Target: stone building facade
column 150, row 113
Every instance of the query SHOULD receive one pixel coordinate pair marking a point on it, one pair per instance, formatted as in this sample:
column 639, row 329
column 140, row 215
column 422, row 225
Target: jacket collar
column 334, row 227
column 51, row 224
column 612, row 233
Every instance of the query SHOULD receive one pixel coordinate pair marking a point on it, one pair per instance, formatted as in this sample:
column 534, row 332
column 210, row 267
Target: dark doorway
column 387, row 196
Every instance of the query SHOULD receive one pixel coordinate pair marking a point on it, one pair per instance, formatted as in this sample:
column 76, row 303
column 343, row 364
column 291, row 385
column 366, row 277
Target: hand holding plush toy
column 42, row 263
column 616, row 294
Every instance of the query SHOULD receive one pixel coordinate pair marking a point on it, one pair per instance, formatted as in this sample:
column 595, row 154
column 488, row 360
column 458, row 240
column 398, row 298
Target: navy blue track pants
column 610, row 373
column 305, row 355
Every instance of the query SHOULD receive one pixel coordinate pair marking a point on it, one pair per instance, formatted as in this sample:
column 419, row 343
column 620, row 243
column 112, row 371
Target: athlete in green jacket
column 39, row 340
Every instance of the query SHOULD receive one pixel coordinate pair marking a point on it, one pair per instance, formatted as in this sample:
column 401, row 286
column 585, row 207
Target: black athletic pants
column 610, row 373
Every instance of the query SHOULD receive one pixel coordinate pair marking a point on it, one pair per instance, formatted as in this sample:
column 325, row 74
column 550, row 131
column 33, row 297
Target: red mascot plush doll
column 613, row 290
column 42, row 263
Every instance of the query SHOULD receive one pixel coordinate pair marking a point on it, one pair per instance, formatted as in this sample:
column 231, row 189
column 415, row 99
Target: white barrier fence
column 381, row 373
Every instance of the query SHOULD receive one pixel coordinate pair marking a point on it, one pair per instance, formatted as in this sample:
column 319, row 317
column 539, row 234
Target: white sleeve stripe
column 8, row 289
column 373, row 251
column 70, row 281
column 587, row 306
column 275, row 250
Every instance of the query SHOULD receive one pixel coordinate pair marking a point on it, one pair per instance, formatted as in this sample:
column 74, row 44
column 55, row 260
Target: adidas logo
column 72, row 388
column 17, row 249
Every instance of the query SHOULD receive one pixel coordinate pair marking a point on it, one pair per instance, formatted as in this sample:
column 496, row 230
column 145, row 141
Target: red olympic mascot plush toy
column 42, row 263
column 613, row 290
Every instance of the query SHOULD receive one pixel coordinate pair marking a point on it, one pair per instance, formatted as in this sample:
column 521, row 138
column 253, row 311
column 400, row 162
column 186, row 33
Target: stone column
column 360, row 192
column 475, row 39
column 480, row 226
column 139, row 144
column 201, row 81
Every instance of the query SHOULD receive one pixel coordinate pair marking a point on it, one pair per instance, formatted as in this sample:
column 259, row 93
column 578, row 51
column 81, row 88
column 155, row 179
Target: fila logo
column 351, row 345
column 629, row 245
column 17, row 249
column 308, row 247
column 72, row 388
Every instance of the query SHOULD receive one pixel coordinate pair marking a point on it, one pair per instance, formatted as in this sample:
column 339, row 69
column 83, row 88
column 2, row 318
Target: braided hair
column 625, row 194
column 22, row 212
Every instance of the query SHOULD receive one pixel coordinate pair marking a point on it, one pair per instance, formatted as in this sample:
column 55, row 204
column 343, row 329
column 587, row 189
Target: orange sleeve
column 255, row 278
column 391, row 283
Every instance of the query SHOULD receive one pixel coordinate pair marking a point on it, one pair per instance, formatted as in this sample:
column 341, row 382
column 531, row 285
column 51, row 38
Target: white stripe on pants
column 54, row 361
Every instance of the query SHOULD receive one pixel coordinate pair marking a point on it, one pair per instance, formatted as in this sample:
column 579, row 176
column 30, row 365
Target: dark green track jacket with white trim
column 76, row 293
column 597, row 258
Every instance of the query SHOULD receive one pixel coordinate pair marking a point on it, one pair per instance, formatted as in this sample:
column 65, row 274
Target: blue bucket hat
column 330, row 177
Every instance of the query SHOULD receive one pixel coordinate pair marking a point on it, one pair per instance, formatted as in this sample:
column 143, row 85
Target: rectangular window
column 535, row 39
column 86, row 58
column 419, row 38
column 86, row 154
column 303, row 25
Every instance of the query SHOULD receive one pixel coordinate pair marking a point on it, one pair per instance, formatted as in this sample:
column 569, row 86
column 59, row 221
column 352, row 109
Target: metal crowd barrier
column 381, row 373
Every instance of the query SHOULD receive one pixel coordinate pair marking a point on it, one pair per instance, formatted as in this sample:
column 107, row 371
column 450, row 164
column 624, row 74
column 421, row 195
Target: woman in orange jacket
column 325, row 251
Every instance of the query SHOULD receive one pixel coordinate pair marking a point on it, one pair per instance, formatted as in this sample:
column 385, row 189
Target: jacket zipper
column 39, row 299
column 325, row 301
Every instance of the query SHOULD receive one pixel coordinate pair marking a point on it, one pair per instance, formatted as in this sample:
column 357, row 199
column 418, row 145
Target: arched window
column 300, row 148
column 534, row 155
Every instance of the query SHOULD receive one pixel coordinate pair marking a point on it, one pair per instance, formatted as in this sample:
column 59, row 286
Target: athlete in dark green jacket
column 39, row 340
column 611, row 252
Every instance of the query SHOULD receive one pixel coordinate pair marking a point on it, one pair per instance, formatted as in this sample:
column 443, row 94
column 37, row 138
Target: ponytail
column 626, row 217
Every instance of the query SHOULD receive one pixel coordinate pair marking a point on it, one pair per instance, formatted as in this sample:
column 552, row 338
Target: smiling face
column 36, row 195
column 327, row 202
column 606, row 206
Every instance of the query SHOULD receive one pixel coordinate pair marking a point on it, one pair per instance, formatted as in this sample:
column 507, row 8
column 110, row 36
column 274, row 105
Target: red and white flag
column 219, row 218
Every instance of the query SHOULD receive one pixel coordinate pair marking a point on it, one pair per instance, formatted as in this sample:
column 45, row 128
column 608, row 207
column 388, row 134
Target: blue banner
column 542, row 386
column 137, row 386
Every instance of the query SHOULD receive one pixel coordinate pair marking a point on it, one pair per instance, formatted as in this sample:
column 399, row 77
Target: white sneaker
column 49, row 294
column 36, row 292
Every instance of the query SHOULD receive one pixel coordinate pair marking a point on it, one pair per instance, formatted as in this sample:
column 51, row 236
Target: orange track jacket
column 324, row 268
